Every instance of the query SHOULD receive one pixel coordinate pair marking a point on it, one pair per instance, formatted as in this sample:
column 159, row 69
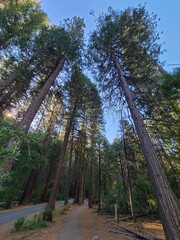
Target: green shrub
column 62, row 211
column 19, row 223
column 36, row 222
column 32, row 224
column 47, row 214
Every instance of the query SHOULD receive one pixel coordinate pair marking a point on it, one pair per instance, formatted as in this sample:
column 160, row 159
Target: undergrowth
column 23, row 224
column 62, row 210
column 39, row 220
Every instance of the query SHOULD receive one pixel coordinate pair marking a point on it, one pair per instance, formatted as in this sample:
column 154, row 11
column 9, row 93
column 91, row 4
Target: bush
column 36, row 222
column 62, row 211
column 19, row 223
column 47, row 214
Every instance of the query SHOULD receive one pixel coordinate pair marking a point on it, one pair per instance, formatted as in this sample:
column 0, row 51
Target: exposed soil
column 81, row 223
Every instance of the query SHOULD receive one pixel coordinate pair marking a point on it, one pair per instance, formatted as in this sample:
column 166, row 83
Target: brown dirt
column 92, row 224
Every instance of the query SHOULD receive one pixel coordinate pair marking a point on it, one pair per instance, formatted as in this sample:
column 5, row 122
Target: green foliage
column 130, row 38
column 8, row 131
column 47, row 214
column 19, row 223
column 18, row 22
column 23, row 224
column 62, row 211
column 139, row 226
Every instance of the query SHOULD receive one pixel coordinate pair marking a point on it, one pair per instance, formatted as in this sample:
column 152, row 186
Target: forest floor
column 82, row 223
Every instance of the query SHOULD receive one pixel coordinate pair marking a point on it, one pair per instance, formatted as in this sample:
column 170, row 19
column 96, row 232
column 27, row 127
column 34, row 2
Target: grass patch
column 139, row 226
column 23, row 224
column 62, row 210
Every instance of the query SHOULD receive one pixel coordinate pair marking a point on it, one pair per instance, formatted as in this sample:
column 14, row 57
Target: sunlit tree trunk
column 33, row 108
column 35, row 105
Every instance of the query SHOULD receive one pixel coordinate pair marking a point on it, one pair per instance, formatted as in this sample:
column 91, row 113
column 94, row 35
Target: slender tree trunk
column 47, row 180
column 167, row 202
column 99, row 180
column 29, row 187
column 123, row 182
column 129, row 186
column 90, row 197
column 130, row 193
column 77, row 173
column 52, row 198
column 69, row 173
column 35, row 105
column 81, row 175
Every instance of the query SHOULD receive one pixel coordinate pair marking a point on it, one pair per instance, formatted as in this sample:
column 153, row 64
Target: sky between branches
column 167, row 11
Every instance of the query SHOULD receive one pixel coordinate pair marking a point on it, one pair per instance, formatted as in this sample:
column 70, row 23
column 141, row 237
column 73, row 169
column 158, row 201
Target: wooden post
column 116, row 213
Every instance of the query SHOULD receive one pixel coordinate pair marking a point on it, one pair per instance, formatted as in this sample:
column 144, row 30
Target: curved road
column 10, row 216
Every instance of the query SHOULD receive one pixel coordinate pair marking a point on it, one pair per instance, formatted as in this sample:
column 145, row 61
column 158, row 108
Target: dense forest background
column 52, row 140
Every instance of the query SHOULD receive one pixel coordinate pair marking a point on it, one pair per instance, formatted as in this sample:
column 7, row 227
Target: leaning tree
column 124, row 49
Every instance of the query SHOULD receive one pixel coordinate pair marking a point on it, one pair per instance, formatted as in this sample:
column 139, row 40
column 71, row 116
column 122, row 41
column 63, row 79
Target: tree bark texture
column 99, row 179
column 90, row 197
column 29, row 187
column 33, row 108
column 81, row 171
column 35, row 105
column 167, row 202
column 43, row 197
column 52, row 198
column 69, row 173
column 129, row 186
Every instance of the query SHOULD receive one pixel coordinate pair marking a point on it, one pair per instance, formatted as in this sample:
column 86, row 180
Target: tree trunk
column 35, row 105
column 32, row 110
column 99, row 180
column 52, row 198
column 81, row 173
column 123, row 182
column 69, row 173
column 90, row 197
column 129, row 186
column 47, row 180
column 29, row 187
column 167, row 202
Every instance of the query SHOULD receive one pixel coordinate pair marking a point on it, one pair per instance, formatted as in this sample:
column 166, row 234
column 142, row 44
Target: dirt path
column 71, row 225
column 80, row 223
column 84, row 224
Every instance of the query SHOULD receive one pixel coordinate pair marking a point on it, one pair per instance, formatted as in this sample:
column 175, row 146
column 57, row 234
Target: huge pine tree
column 125, row 52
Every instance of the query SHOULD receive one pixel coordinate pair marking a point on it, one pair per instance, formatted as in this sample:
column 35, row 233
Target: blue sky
column 167, row 11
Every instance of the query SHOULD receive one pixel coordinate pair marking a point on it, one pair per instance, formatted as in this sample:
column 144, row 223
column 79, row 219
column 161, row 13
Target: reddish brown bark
column 167, row 202
column 29, row 187
column 33, row 108
column 47, row 180
column 69, row 173
column 35, row 105
column 52, row 198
